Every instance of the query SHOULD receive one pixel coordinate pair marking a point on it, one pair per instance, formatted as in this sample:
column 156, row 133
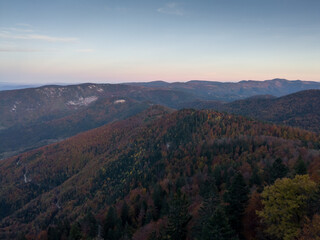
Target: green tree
column 255, row 177
column 21, row 236
column 236, row 199
column 178, row 218
column 300, row 167
column 90, row 225
column 218, row 227
column 158, row 199
column 278, row 170
column 110, row 223
column 285, row 205
column 124, row 213
column 205, row 212
column 75, row 232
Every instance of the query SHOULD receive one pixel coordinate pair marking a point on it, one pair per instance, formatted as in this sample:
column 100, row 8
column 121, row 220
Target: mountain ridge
column 34, row 113
column 95, row 169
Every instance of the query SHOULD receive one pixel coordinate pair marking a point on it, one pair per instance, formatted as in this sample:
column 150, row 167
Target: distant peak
column 279, row 80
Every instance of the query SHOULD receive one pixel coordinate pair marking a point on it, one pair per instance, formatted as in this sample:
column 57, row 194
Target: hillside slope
column 20, row 138
column 189, row 152
column 34, row 117
column 300, row 109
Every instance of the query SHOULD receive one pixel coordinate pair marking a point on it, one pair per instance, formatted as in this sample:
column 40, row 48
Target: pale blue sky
column 44, row 41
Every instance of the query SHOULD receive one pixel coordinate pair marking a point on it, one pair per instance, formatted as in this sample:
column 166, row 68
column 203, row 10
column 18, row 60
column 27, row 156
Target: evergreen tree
column 157, row 197
column 90, row 225
column 255, row 177
column 178, row 218
column 124, row 213
column 278, row 170
column 300, row 167
column 218, row 227
column 236, row 198
column 208, row 188
column 75, row 232
column 21, row 236
column 206, row 211
column 110, row 223
column 54, row 233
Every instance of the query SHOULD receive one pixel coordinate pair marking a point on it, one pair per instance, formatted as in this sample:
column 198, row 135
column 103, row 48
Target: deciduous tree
column 285, row 205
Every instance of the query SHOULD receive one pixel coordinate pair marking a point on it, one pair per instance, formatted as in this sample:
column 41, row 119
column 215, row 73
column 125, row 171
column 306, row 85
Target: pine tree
column 278, row 170
column 157, row 197
column 255, row 177
column 213, row 222
column 178, row 218
column 236, row 199
column 90, row 225
column 75, row 232
column 124, row 213
column 110, row 223
column 300, row 167
column 218, row 227
column 205, row 212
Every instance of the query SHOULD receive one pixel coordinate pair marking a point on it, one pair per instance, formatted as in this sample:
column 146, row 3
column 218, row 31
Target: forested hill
column 160, row 175
column 34, row 117
column 20, row 138
column 301, row 109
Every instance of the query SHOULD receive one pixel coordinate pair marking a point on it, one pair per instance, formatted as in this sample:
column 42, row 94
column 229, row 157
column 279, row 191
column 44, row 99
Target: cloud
column 15, row 49
column 18, row 30
column 171, row 9
column 8, row 35
column 29, row 34
column 85, row 50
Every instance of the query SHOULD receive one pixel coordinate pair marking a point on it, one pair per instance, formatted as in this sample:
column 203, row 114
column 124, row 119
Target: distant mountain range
column 229, row 91
column 35, row 117
column 9, row 86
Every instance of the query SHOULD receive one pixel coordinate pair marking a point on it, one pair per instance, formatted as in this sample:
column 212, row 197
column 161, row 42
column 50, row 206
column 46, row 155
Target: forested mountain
column 52, row 102
column 301, row 109
column 160, row 175
column 34, row 117
column 20, row 138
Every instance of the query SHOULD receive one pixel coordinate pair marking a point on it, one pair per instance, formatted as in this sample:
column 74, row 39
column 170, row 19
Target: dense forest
column 35, row 117
column 301, row 109
column 160, row 175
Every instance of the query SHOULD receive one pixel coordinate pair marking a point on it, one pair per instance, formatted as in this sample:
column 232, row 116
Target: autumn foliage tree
column 285, row 206
column 311, row 229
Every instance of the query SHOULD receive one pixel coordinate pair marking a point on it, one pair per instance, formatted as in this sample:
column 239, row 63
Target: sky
column 73, row 41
